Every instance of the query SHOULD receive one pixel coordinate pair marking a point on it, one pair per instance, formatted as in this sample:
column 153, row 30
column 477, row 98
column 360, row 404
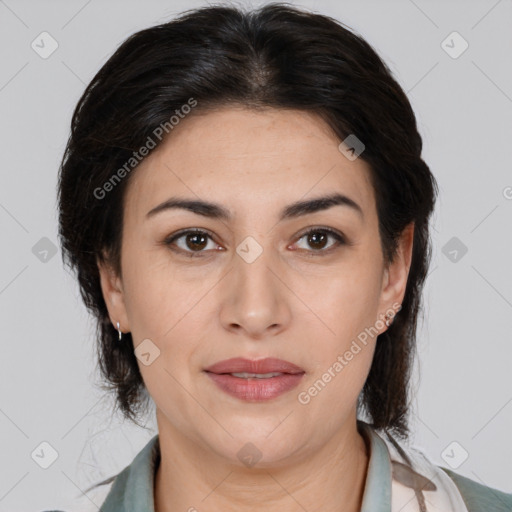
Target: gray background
column 48, row 386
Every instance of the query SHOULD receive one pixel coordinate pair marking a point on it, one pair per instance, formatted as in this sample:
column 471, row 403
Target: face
column 261, row 282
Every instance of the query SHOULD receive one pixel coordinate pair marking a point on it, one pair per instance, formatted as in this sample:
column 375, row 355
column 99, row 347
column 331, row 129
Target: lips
column 255, row 380
column 260, row 366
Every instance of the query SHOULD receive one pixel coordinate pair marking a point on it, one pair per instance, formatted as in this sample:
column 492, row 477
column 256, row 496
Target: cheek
column 340, row 365
column 167, row 309
column 347, row 299
column 346, row 307
column 332, row 392
column 152, row 292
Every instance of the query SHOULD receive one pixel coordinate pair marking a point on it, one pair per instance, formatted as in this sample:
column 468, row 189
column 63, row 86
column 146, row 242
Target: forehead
column 242, row 157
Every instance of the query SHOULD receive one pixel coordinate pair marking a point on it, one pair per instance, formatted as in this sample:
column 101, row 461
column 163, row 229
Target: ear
column 112, row 288
column 394, row 281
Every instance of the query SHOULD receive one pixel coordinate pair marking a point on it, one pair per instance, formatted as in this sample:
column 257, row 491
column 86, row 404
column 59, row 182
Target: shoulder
column 479, row 497
column 134, row 484
column 452, row 490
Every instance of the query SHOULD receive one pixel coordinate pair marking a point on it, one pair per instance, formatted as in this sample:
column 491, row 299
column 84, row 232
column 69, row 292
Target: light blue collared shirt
column 132, row 489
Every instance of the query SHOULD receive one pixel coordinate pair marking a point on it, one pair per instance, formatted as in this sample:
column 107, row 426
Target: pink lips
column 255, row 389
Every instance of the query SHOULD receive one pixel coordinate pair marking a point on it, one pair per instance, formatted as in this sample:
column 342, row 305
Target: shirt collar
column 377, row 489
column 132, row 490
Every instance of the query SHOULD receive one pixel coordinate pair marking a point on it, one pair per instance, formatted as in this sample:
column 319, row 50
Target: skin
column 292, row 303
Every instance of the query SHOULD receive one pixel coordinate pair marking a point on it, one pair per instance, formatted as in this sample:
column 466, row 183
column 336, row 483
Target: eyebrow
column 294, row 210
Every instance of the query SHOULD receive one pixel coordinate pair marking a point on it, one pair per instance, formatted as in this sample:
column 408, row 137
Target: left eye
column 317, row 238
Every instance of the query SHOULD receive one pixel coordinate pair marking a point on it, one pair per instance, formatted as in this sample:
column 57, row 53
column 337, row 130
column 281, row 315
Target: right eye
column 193, row 243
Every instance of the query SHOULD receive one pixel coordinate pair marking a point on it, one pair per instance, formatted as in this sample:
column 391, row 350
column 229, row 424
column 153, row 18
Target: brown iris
column 198, row 241
column 317, row 239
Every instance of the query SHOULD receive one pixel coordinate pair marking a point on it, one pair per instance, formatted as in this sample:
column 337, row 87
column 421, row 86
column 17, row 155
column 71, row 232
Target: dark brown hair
column 277, row 56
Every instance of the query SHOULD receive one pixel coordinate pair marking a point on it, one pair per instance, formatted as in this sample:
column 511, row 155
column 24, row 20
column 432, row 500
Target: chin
column 260, row 446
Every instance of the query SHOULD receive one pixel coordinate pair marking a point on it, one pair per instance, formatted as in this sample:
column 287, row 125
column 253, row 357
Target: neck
column 194, row 479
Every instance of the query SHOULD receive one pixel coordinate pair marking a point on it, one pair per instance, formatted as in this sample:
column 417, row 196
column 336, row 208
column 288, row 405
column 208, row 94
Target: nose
column 255, row 297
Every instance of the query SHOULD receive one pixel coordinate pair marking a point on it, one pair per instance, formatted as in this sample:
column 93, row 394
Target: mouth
column 255, row 380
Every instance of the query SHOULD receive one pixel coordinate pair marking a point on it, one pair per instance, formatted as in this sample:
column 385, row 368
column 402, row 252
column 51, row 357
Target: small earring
column 391, row 316
column 119, row 331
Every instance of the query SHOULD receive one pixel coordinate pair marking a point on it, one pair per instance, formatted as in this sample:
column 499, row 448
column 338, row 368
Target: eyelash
column 340, row 239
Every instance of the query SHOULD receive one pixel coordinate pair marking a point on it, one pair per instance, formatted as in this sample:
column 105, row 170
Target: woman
column 245, row 204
